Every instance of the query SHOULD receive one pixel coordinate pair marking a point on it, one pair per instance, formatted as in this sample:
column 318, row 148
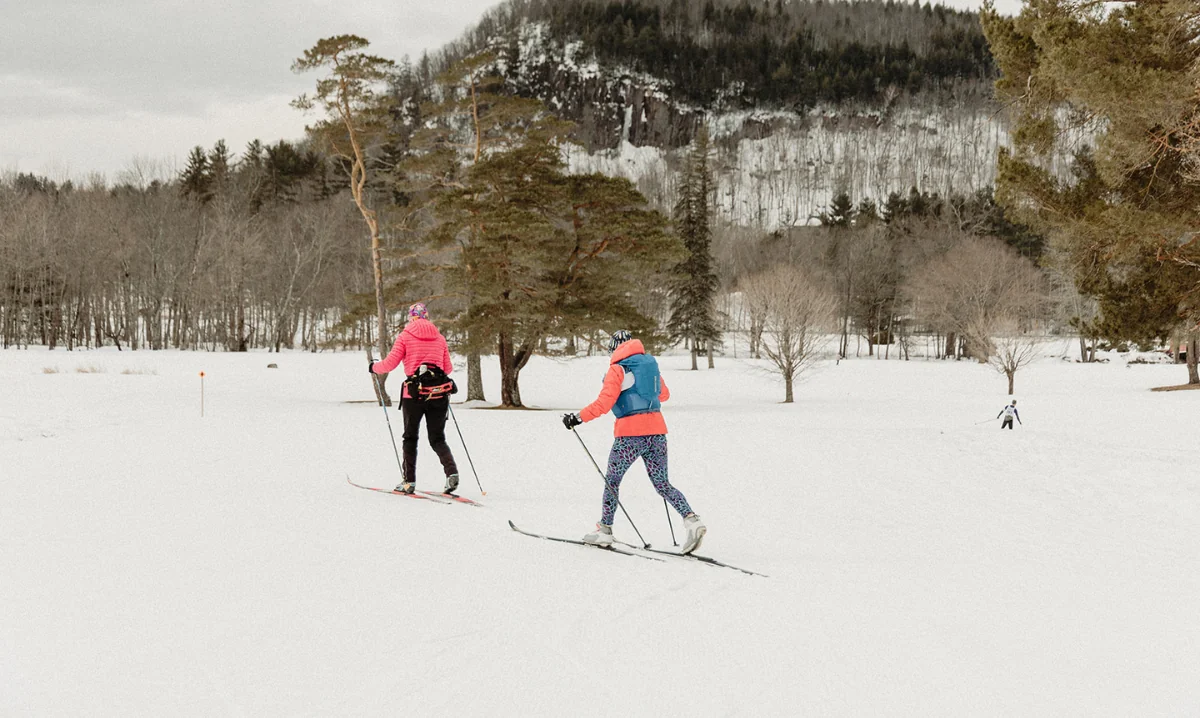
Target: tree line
column 873, row 278
column 456, row 188
column 235, row 253
column 741, row 53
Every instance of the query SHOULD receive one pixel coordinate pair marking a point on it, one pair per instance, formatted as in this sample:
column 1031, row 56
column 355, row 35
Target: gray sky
column 93, row 85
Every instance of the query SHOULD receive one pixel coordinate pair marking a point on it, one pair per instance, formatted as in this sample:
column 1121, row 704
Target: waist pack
column 429, row 383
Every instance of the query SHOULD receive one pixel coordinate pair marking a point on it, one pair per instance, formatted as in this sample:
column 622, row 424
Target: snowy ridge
column 775, row 168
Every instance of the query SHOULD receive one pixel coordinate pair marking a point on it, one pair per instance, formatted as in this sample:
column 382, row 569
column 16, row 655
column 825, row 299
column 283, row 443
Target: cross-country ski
column 436, row 498
column 452, row 497
column 578, row 542
column 691, row 557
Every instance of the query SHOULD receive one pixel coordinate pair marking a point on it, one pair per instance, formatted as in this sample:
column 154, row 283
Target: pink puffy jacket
column 419, row 343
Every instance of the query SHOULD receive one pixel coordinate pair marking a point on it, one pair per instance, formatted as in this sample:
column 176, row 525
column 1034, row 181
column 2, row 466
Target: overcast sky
column 91, row 85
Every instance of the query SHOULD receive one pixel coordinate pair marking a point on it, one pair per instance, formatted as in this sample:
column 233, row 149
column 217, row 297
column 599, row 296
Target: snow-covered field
column 156, row 563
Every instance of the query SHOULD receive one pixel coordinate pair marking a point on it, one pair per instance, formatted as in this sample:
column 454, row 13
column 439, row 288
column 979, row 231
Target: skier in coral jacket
column 634, row 391
column 426, row 394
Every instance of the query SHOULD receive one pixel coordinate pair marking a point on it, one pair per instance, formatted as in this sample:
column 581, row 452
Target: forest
column 235, row 253
column 796, row 55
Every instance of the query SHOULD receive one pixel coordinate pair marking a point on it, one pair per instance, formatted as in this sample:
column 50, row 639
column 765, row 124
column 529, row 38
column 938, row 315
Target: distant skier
column 427, row 391
column 1009, row 412
column 633, row 391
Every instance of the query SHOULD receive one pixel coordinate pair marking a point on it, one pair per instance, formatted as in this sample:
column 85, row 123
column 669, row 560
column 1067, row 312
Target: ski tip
column 512, row 525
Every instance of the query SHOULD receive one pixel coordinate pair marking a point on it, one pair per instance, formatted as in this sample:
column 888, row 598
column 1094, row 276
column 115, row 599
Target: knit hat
column 418, row 311
column 619, row 337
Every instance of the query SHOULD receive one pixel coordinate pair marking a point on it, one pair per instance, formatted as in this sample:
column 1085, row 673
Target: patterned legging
column 653, row 451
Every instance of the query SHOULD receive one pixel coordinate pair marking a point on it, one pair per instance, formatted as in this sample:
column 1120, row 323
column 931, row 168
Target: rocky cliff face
column 774, row 168
column 610, row 105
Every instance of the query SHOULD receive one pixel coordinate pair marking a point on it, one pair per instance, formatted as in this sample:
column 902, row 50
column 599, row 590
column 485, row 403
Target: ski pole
column 379, row 392
column 673, row 541
column 468, row 453
column 610, row 489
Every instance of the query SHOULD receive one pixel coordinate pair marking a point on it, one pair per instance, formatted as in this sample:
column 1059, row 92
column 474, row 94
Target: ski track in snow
column 153, row 562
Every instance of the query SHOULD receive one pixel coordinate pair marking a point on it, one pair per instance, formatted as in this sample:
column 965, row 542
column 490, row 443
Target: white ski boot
column 602, row 536
column 695, row 533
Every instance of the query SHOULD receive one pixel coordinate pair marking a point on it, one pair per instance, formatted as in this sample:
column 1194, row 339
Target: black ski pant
column 434, row 413
column 1006, row 424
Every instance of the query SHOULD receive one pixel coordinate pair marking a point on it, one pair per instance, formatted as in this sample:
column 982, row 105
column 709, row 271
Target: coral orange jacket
column 647, row 424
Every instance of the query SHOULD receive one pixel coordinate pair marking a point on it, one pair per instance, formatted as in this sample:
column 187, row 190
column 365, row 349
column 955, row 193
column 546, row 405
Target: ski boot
column 451, row 484
column 407, row 487
column 695, row 533
column 602, row 536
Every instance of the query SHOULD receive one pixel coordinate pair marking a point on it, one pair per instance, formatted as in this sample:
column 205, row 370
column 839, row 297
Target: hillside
column 803, row 98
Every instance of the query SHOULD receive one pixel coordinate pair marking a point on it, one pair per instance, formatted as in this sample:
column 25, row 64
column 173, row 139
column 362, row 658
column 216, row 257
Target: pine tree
column 476, row 116
column 1123, row 219
column 840, row 213
column 219, row 166
column 840, row 217
column 194, row 181
column 549, row 255
column 253, row 156
column 356, row 119
column 694, row 289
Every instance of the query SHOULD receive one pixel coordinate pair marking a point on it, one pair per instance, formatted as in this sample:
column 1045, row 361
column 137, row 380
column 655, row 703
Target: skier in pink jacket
column 427, row 391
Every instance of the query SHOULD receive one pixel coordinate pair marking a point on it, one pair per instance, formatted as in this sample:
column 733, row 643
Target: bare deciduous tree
column 972, row 287
column 1013, row 348
column 797, row 316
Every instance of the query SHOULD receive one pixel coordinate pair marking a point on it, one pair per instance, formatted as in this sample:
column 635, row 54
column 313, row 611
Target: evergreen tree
column 476, row 116
column 1123, row 219
column 219, row 166
column 194, row 181
column 253, row 157
column 356, row 119
column 694, row 289
column 840, row 213
column 549, row 255
column 840, row 258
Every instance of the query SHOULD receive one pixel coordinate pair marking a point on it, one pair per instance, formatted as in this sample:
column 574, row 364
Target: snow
column 921, row 562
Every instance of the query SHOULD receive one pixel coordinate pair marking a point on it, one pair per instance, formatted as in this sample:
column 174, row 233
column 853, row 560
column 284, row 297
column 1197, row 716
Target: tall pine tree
column 549, row 255
column 694, row 289
column 357, row 115
column 1125, row 221
column 475, row 116
column 194, row 181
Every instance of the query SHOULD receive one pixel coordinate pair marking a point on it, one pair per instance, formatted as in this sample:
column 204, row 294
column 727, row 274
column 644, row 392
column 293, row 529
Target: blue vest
column 642, row 397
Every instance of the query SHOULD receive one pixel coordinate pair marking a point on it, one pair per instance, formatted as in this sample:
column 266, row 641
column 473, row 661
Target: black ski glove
column 370, row 366
column 453, row 387
column 571, row 421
